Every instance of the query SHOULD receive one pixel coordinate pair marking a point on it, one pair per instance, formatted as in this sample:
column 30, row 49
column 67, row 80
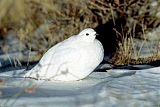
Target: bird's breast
column 93, row 53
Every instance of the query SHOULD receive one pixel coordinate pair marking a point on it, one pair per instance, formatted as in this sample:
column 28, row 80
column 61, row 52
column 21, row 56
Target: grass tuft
column 40, row 24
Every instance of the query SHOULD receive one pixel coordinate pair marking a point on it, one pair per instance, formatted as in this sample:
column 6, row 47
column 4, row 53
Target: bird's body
column 70, row 60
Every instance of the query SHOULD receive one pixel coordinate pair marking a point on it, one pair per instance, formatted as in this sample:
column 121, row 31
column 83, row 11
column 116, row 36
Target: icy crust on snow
column 115, row 88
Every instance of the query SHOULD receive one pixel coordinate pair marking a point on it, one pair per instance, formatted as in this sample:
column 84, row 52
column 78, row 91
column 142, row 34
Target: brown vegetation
column 40, row 24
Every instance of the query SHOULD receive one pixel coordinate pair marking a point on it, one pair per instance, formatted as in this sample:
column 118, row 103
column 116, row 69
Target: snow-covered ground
column 115, row 88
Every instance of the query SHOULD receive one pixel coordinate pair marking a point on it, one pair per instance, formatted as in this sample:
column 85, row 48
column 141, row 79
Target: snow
column 114, row 88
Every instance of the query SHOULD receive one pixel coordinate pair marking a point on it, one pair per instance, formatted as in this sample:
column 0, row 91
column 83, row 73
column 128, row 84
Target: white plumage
column 70, row 60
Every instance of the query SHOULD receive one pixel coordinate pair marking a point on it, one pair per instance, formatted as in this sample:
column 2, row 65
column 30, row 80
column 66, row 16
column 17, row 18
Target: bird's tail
column 33, row 73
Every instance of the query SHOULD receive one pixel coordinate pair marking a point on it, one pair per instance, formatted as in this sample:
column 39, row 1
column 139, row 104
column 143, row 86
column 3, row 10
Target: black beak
column 97, row 34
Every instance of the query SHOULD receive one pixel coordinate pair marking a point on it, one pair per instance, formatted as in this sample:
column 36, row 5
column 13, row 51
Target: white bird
column 70, row 60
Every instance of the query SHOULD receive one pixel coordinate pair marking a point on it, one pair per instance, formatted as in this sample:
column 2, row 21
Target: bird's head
column 87, row 35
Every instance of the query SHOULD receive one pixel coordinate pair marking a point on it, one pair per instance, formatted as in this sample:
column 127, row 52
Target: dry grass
column 45, row 21
column 128, row 53
column 40, row 24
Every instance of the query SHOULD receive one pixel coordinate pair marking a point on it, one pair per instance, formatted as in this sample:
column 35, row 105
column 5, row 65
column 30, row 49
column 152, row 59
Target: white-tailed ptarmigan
column 72, row 59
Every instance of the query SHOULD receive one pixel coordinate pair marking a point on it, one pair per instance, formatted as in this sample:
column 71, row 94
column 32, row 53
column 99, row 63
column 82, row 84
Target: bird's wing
column 61, row 55
column 56, row 56
column 63, row 51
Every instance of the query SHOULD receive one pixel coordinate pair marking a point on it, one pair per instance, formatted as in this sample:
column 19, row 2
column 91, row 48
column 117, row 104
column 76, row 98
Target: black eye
column 87, row 34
